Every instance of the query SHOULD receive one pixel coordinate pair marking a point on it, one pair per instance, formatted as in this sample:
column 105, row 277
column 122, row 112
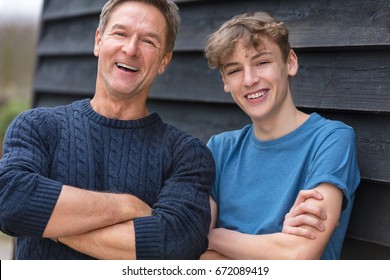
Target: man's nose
column 131, row 47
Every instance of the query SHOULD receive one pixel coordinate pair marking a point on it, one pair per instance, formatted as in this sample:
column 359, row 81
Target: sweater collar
column 102, row 120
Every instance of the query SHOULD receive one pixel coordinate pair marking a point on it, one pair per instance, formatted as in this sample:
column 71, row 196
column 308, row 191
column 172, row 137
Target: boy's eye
column 232, row 71
column 262, row 63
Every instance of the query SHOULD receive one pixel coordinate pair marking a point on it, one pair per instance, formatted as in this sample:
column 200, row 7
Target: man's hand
column 304, row 213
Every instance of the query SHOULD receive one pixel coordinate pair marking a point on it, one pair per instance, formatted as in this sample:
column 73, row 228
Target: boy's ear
column 292, row 62
column 226, row 86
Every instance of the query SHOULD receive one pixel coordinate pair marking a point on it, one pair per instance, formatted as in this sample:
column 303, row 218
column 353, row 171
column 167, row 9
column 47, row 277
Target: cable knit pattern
column 170, row 170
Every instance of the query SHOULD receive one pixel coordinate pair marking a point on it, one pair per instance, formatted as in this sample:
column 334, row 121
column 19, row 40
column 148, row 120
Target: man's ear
column 98, row 39
column 226, row 86
column 165, row 61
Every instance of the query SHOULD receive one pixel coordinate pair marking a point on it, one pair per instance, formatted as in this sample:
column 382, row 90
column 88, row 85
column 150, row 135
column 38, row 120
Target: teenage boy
column 261, row 168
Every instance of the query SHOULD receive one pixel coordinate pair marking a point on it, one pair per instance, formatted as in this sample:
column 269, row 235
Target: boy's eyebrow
column 229, row 65
column 255, row 56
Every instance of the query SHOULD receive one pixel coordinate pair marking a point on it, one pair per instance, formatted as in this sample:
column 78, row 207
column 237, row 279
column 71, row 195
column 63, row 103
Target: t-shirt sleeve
column 335, row 162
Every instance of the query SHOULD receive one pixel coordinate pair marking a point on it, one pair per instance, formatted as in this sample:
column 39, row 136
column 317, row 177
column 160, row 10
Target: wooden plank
column 200, row 119
column 370, row 219
column 328, row 80
column 354, row 249
column 312, row 24
column 343, row 80
column 66, row 75
column 50, row 99
column 316, row 25
column 68, row 37
column 58, row 9
column 354, row 81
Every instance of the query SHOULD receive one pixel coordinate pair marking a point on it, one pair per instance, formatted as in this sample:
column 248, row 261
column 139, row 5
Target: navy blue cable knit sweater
column 168, row 169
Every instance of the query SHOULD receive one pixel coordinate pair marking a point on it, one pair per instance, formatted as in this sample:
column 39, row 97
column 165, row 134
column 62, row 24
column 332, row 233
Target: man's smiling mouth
column 126, row 67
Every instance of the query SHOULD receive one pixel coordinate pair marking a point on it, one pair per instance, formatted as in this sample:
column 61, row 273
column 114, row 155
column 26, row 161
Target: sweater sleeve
column 27, row 195
column 180, row 222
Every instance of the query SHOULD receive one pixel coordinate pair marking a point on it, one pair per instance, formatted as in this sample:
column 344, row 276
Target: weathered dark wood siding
column 343, row 49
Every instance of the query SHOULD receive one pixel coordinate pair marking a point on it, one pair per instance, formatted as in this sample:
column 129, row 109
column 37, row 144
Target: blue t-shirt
column 257, row 182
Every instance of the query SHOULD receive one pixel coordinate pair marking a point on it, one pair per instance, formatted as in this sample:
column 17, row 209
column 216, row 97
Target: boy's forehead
column 252, row 51
column 248, row 50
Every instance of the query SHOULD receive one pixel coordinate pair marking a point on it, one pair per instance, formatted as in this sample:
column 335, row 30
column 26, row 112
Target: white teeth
column 126, row 67
column 257, row 94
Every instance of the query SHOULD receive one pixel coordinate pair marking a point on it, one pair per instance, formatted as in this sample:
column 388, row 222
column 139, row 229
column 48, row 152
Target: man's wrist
column 56, row 240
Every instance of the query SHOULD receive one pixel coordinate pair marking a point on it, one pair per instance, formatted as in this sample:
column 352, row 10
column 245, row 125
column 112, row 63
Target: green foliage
column 8, row 111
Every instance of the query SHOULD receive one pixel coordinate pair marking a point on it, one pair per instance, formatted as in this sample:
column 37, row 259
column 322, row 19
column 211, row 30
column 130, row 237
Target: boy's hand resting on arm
column 305, row 213
column 304, row 219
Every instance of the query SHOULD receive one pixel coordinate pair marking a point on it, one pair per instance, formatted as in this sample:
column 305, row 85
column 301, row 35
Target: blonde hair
column 169, row 10
column 250, row 29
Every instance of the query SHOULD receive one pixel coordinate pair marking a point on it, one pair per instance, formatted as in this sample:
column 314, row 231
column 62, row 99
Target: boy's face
column 258, row 80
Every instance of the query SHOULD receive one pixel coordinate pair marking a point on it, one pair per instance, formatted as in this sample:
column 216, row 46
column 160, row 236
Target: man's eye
column 150, row 42
column 120, row 34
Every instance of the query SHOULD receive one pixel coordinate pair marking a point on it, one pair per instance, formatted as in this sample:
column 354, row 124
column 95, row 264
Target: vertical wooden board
column 354, row 249
column 370, row 219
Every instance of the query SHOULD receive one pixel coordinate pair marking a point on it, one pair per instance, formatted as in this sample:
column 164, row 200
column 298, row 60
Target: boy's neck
column 279, row 126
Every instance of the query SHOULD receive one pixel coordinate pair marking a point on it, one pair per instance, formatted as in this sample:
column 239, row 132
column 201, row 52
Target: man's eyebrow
column 255, row 56
column 118, row 26
column 148, row 34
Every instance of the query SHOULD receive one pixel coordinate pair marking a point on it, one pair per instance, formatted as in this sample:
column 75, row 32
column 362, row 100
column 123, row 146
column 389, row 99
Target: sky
column 13, row 10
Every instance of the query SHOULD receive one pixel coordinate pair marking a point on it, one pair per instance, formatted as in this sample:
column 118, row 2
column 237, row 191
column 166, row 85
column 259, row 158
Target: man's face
column 258, row 79
column 131, row 51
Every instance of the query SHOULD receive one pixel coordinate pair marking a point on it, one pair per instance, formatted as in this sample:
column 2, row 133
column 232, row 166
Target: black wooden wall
column 344, row 54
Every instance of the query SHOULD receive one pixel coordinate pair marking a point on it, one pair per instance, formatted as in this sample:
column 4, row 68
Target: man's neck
column 119, row 109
